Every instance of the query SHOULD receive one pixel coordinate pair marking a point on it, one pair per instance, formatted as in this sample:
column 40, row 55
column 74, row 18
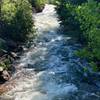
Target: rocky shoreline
column 6, row 64
column 13, row 52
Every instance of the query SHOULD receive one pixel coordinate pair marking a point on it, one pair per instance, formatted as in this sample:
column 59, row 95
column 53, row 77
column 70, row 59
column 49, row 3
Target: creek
column 48, row 70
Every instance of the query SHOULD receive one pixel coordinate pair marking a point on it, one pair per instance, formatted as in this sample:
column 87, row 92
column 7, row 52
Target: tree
column 17, row 19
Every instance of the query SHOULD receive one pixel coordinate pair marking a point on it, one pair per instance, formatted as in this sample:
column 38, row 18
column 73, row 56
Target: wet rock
column 2, row 90
column 5, row 75
column 13, row 54
column 39, row 9
column 20, row 48
column 25, row 49
column 34, row 10
column 1, row 69
column 11, row 44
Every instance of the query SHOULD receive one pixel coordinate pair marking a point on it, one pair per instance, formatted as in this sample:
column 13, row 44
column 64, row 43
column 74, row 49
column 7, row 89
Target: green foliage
column 73, row 2
column 16, row 24
column 84, row 19
column 89, row 19
column 16, row 17
column 94, row 66
column 84, row 53
column 67, row 15
column 5, row 64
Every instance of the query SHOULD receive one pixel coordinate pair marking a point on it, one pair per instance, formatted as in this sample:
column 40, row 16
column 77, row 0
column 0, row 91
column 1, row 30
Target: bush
column 5, row 64
column 16, row 17
column 83, row 19
column 89, row 19
column 67, row 15
column 73, row 2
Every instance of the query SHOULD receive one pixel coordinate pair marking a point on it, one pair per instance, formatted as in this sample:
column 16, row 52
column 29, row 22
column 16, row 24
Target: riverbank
column 11, row 52
column 15, row 30
column 7, row 67
column 16, row 25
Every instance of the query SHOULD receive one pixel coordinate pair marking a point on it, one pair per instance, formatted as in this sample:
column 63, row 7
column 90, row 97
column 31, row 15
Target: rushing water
column 48, row 70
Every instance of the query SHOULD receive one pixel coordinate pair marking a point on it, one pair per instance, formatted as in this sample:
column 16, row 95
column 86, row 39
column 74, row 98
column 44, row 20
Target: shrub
column 89, row 19
column 67, row 15
column 5, row 64
column 84, row 19
column 16, row 17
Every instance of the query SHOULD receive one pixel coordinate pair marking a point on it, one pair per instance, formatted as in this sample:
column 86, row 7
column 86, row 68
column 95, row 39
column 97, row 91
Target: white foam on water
column 47, row 20
column 42, row 85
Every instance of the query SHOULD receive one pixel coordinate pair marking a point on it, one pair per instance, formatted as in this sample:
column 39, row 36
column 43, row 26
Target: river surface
column 48, row 70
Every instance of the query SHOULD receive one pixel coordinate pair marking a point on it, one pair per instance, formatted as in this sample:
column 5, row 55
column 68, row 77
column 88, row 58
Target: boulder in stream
column 4, row 75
